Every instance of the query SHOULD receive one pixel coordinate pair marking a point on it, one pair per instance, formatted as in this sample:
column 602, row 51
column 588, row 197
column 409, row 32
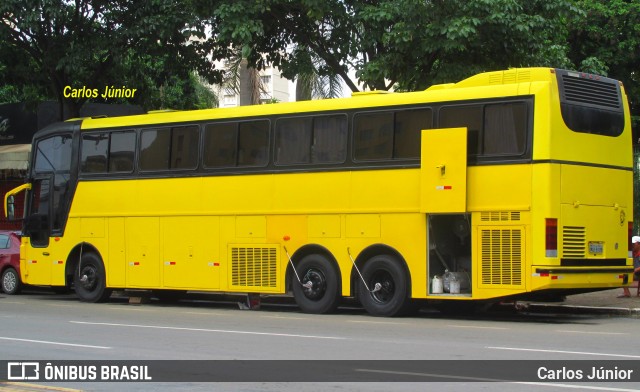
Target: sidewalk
column 599, row 302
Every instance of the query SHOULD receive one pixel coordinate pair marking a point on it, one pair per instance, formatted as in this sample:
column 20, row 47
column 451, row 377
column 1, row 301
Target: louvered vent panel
column 500, row 216
column 594, row 92
column 501, row 256
column 574, row 242
column 509, row 77
column 254, row 267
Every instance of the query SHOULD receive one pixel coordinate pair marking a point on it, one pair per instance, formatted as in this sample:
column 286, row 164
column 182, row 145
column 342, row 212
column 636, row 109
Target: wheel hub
column 386, row 284
column 88, row 277
column 314, row 284
column 9, row 281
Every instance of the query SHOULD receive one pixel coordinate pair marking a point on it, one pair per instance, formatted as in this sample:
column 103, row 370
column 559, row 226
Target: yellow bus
column 513, row 184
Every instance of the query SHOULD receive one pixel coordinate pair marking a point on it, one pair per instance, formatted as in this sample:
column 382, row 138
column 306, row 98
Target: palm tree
column 243, row 80
column 311, row 84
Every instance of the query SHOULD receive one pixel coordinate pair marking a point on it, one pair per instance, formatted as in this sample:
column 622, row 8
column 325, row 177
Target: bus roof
column 437, row 93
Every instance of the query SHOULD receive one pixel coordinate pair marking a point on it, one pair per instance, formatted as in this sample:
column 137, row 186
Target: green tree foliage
column 409, row 44
column 606, row 40
column 97, row 43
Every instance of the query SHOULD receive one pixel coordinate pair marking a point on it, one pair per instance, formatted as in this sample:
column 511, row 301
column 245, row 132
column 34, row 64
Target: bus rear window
column 591, row 103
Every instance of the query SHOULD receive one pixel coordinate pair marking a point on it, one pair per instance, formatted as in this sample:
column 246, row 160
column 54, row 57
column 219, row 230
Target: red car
column 10, row 262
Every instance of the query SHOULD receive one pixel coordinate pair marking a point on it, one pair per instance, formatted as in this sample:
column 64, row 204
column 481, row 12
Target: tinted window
column 493, row 129
column 329, row 139
column 169, row 148
column 220, row 145
column 95, row 147
column 122, row 151
column 505, row 129
column 53, row 154
column 373, row 136
column 184, row 148
column 464, row 116
column 590, row 103
column 390, row 135
column 154, row 149
column 305, row 140
column 293, row 140
column 108, row 152
column 236, row 144
column 408, row 127
column 253, row 143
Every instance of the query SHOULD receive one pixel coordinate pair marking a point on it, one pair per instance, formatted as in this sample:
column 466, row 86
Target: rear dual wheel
column 387, row 290
column 318, row 290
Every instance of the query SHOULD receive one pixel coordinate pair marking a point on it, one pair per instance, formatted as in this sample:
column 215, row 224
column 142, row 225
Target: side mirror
column 10, row 201
column 11, row 208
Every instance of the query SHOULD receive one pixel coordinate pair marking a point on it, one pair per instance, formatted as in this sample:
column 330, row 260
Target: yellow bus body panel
column 232, row 233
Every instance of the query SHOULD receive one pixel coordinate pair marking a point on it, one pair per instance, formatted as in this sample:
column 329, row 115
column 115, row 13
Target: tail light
column 551, row 237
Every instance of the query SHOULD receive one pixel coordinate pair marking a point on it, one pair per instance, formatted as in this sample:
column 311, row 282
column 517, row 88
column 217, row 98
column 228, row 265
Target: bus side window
column 408, row 127
column 154, row 149
column 329, row 139
column 184, row 147
column 373, row 136
column 469, row 116
column 306, row 140
column 293, row 140
column 122, row 152
column 94, row 153
column 220, row 145
column 253, row 143
column 505, row 128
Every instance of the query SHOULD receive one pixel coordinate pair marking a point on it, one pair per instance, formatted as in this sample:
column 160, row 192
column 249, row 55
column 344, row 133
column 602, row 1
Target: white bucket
column 454, row 287
column 436, row 285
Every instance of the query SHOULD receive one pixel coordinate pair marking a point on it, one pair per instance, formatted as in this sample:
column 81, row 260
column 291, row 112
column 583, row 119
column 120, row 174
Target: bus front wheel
column 386, row 292
column 319, row 289
column 90, row 279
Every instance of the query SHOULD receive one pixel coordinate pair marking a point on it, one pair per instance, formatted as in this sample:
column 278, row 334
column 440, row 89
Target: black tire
column 90, row 279
column 393, row 297
column 324, row 294
column 11, row 283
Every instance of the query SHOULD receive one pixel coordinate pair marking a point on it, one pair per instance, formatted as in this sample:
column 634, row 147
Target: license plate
column 596, row 248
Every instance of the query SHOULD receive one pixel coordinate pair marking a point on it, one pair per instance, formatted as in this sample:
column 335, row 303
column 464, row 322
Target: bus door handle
column 45, row 253
column 443, row 169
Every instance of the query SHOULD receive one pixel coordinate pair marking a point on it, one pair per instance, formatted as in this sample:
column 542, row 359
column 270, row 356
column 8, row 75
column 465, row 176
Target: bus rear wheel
column 90, row 279
column 320, row 288
column 388, row 287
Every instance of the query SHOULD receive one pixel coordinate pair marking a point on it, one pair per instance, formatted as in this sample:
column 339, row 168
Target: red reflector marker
column 551, row 237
